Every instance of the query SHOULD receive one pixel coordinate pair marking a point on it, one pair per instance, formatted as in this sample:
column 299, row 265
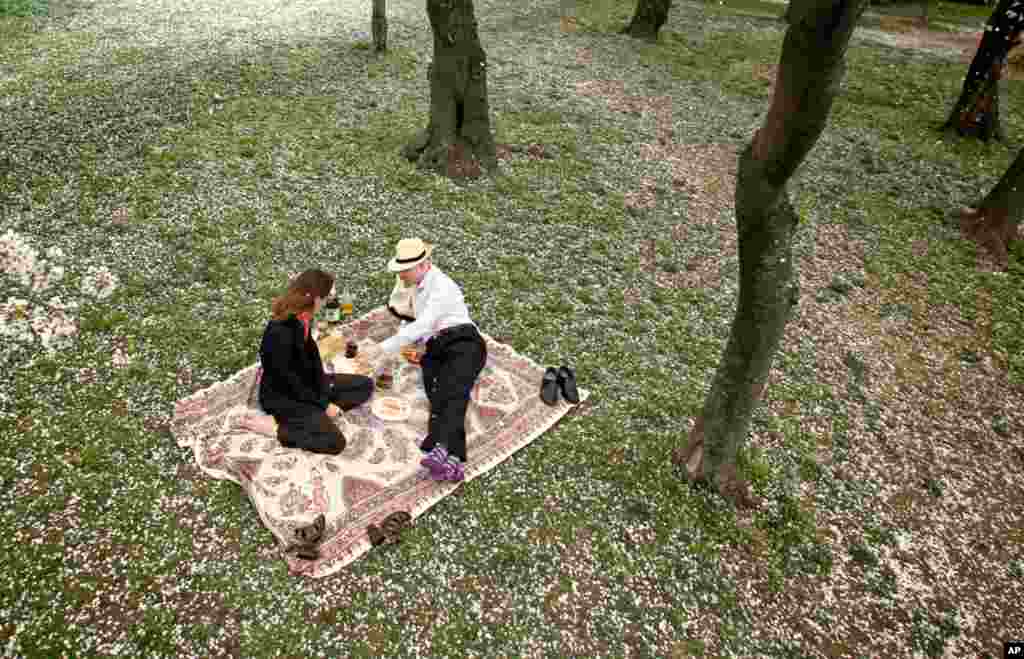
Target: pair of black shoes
column 390, row 530
column 561, row 382
column 307, row 539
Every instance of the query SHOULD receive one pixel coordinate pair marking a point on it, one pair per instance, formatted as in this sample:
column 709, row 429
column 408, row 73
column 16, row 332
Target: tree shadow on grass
column 93, row 113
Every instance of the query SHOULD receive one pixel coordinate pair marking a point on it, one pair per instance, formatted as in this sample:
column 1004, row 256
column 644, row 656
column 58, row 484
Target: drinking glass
column 346, row 305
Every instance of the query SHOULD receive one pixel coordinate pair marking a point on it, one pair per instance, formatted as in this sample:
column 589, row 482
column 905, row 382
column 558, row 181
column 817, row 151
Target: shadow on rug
column 378, row 473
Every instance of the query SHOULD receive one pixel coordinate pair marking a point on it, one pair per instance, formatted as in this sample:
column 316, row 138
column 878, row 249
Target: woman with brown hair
column 299, row 397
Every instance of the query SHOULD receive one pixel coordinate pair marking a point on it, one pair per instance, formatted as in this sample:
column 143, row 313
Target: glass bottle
column 331, row 311
column 346, row 305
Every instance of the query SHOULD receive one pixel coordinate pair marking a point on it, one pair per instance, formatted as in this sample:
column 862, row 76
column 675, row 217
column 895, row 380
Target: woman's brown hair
column 301, row 293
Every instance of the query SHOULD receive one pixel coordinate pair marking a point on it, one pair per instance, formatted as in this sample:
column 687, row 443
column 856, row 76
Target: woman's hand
column 333, row 410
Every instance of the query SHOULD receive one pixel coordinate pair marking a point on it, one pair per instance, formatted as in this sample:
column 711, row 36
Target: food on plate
column 411, row 354
column 391, row 409
column 354, row 366
column 331, row 346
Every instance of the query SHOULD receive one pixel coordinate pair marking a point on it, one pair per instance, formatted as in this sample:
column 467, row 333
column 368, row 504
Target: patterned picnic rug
column 378, row 472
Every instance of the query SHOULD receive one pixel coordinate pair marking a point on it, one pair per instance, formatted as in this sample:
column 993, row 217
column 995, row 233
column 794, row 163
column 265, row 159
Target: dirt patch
column 706, row 173
column 904, row 33
column 903, row 23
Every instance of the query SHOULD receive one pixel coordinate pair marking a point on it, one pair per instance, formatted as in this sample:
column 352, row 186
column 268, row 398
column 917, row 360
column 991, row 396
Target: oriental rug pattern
column 378, row 472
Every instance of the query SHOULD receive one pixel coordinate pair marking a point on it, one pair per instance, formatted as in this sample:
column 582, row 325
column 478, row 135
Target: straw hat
column 409, row 253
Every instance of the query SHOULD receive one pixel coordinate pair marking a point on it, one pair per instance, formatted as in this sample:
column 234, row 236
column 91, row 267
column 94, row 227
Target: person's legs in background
column 258, row 422
column 429, row 367
column 348, row 391
column 463, row 359
column 301, row 426
column 315, row 432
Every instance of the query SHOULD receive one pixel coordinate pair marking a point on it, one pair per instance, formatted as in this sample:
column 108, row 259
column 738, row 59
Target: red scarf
column 306, row 318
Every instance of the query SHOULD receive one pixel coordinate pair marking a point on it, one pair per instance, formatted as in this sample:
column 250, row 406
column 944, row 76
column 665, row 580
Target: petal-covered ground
column 165, row 167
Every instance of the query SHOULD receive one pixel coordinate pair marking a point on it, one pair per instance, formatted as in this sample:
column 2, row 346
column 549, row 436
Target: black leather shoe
column 376, row 535
column 549, row 387
column 307, row 538
column 396, row 522
column 567, row 382
column 310, row 534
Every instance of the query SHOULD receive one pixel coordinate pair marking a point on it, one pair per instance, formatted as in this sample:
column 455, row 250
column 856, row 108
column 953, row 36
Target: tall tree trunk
column 379, row 24
column 568, row 10
column 994, row 224
column 650, row 15
column 977, row 111
column 458, row 137
column 810, row 70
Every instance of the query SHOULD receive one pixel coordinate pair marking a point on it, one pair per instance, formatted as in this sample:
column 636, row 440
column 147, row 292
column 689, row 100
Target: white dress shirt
column 438, row 304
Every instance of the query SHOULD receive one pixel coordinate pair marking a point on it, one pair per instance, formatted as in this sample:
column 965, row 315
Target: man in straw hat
column 455, row 353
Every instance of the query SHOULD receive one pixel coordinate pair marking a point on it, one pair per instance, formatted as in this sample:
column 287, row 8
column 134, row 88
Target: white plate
column 390, row 408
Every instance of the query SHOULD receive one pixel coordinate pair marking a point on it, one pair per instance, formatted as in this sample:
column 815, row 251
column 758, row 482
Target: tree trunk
column 379, row 23
column 977, row 111
column 458, row 137
column 810, row 70
column 650, row 15
column 568, row 11
column 995, row 223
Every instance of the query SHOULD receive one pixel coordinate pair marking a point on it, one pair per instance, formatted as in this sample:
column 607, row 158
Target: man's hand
column 333, row 410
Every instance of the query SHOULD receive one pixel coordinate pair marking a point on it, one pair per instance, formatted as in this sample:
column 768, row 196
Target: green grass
column 224, row 204
column 959, row 12
column 19, row 8
column 905, row 108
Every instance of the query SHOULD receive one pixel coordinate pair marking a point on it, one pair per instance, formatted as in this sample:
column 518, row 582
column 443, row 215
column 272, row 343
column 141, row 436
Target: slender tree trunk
column 458, row 138
column 977, row 112
column 810, row 70
column 995, row 223
column 568, row 10
column 650, row 15
column 379, row 23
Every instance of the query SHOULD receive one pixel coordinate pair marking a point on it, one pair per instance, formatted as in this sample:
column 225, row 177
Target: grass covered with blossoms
column 164, row 168
column 42, row 318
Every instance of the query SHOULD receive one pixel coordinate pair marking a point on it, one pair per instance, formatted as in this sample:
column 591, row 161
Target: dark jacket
column 292, row 370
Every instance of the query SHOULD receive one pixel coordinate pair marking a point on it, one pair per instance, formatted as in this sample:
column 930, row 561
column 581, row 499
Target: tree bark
column 458, row 137
column 379, row 24
column 977, row 112
column 810, row 70
column 650, row 15
column 995, row 222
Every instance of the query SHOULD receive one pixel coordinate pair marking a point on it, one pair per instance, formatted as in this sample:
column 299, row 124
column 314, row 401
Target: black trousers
column 451, row 364
column 306, row 426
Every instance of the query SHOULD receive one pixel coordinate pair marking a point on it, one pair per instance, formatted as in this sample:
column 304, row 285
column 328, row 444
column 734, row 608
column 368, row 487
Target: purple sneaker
column 435, row 460
column 451, row 471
